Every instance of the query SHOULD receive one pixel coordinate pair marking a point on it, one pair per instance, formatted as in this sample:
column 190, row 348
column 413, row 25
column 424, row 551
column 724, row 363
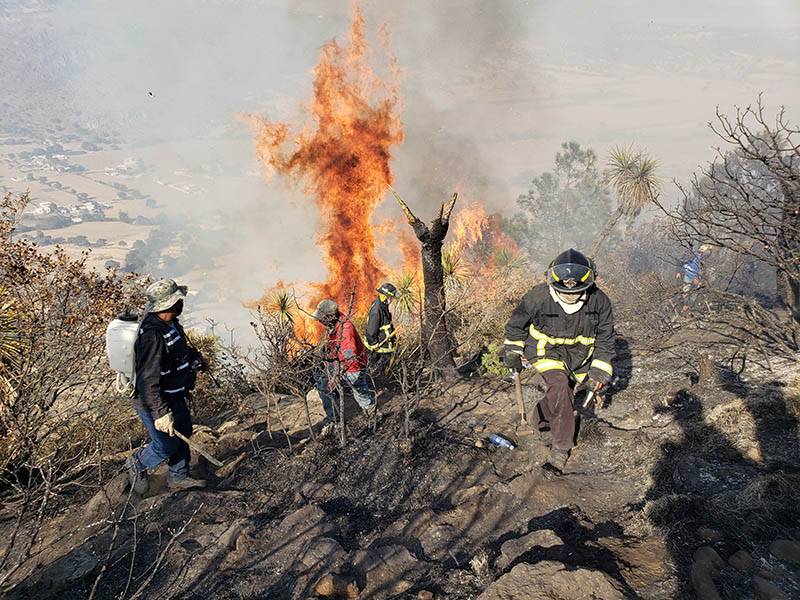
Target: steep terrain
column 675, row 488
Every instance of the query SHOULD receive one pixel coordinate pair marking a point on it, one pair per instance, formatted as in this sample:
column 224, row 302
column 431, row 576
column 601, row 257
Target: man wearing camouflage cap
column 344, row 354
column 166, row 369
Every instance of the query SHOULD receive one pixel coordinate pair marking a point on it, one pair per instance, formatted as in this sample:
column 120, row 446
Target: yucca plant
column 506, row 258
column 632, row 176
column 407, row 299
column 282, row 303
column 454, row 271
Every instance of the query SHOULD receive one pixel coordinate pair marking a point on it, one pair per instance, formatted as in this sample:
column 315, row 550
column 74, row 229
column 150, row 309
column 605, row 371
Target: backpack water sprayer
column 121, row 337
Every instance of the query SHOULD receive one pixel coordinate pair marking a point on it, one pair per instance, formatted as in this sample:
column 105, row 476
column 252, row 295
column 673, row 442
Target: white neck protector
column 570, row 309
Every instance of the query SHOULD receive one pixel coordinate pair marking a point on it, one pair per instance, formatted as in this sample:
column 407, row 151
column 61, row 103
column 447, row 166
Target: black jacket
column 379, row 328
column 164, row 373
column 554, row 340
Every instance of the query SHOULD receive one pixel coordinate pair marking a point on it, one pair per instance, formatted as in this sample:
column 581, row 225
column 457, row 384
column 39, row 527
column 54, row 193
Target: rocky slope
column 676, row 490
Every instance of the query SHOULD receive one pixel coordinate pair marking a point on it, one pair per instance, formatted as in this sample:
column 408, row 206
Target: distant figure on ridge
column 565, row 328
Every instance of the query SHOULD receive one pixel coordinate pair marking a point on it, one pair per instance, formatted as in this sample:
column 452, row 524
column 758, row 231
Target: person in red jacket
column 344, row 354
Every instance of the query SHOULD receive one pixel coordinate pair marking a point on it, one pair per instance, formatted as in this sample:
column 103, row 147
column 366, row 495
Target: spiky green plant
column 506, row 258
column 632, row 174
column 455, row 273
column 407, row 299
column 282, row 303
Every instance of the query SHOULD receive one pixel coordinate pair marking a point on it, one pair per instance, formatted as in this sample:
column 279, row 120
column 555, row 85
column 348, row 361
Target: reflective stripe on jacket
column 578, row 344
column 163, row 365
column 379, row 336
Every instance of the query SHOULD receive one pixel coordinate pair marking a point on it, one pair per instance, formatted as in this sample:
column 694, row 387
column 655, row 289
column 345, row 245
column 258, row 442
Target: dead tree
column 434, row 326
column 747, row 200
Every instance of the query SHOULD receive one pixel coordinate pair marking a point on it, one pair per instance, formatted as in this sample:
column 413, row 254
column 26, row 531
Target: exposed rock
column 425, row 595
column 555, row 581
column 644, row 564
column 786, row 550
column 384, row 567
column 511, row 549
column 322, row 553
column 437, row 540
column 741, row 560
column 465, row 494
column 212, row 547
column 312, row 490
column 233, row 443
column 702, row 576
column 296, row 532
column 231, row 466
column 766, row 590
column 336, row 586
column 708, row 555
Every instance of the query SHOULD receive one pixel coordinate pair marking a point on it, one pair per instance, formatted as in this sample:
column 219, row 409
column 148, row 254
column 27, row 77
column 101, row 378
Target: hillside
column 674, row 484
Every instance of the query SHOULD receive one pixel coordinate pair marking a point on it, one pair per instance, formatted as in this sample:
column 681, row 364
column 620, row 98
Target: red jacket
column 346, row 346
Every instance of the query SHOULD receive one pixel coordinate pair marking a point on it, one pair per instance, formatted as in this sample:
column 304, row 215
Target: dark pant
column 378, row 362
column 163, row 447
column 557, row 409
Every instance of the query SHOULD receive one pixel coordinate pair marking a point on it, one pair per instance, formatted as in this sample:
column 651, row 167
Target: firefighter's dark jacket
column 553, row 340
column 380, row 331
column 164, row 371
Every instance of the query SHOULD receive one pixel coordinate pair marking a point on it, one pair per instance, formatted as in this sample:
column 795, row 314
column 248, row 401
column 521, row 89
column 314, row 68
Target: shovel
column 198, row 448
column 523, row 428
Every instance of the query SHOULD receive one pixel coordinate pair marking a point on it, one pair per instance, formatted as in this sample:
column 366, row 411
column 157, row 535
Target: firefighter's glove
column 166, row 424
column 596, row 386
column 513, row 360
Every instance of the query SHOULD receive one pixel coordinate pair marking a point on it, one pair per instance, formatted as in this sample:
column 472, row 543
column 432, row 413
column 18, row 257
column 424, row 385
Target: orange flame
column 342, row 156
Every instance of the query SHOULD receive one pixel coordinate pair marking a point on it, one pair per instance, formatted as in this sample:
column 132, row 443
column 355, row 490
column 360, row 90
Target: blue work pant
column 163, row 447
column 358, row 382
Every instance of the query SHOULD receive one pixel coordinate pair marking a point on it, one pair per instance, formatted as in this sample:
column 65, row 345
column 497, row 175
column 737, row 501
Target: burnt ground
column 671, row 468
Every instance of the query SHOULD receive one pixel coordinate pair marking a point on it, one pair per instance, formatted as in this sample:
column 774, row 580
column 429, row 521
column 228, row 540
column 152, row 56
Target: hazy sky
column 490, row 88
column 498, row 83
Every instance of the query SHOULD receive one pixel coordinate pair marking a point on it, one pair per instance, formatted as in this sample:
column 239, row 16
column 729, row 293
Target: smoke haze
column 488, row 91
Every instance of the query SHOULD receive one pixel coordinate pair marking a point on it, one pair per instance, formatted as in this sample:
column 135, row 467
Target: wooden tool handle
column 198, row 448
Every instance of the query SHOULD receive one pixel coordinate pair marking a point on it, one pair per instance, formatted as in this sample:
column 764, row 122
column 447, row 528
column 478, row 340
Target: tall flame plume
column 342, row 158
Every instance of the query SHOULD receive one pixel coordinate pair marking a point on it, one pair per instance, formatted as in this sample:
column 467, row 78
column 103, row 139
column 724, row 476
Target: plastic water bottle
column 499, row 440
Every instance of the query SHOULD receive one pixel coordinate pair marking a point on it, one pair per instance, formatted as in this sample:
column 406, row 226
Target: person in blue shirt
column 691, row 273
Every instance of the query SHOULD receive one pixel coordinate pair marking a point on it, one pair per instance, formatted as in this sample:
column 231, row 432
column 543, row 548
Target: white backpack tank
column 121, row 336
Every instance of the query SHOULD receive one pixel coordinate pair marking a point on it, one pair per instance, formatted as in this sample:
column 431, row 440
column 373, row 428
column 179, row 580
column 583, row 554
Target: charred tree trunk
column 434, row 325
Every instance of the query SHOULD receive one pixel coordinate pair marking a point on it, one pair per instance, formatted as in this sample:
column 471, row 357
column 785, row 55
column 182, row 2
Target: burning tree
column 748, row 199
column 434, row 326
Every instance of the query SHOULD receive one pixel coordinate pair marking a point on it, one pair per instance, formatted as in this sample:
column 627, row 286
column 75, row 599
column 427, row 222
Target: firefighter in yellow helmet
column 380, row 336
column 565, row 328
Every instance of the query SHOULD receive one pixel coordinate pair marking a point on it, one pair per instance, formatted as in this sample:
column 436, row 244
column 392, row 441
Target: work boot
column 137, row 477
column 184, row 483
column 554, row 467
